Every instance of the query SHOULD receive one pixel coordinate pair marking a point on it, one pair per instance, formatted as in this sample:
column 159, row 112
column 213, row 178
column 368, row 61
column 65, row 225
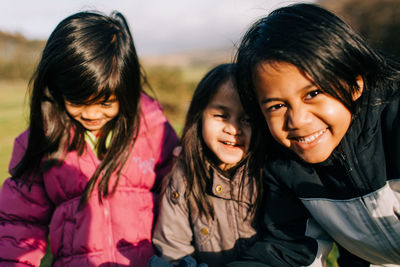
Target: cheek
column 73, row 112
column 205, row 132
column 112, row 113
column 336, row 115
column 247, row 132
column 332, row 110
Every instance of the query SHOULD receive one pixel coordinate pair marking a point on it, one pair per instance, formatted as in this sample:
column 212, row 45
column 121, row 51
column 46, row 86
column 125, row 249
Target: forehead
column 279, row 70
column 226, row 93
column 280, row 76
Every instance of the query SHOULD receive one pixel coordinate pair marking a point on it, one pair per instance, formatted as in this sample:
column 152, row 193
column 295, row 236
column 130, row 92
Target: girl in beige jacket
column 208, row 209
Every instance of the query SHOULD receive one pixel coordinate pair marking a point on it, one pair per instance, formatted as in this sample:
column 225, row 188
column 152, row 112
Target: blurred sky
column 158, row 26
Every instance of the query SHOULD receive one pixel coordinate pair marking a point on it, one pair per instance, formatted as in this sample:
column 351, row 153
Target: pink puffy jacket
column 114, row 233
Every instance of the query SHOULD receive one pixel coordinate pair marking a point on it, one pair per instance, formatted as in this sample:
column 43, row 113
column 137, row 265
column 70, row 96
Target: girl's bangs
column 91, row 93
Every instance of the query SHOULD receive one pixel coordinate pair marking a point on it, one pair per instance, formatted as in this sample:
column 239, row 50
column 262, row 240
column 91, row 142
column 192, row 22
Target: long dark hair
column 87, row 58
column 195, row 153
column 320, row 45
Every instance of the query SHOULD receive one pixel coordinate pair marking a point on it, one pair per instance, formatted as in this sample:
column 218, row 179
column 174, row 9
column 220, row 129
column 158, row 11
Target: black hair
column 88, row 57
column 195, row 153
column 321, row 46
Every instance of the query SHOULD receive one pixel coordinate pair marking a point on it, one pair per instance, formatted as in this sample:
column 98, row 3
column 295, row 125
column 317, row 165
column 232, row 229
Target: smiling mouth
column 311, row 138
column 230, row 144
column 93, row 123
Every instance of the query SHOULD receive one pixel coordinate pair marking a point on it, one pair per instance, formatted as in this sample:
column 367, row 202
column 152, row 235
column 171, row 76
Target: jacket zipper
column 345, row 163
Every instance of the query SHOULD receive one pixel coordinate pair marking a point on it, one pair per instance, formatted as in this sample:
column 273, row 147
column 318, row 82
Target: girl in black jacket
column 330, row 105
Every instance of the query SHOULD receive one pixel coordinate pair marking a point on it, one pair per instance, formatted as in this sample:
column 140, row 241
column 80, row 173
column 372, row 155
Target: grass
column 13, row 119
column 331, row 260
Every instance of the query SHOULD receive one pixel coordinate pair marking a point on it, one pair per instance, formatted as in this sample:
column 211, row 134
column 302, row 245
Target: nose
column 297, row 117
column 232, row 128
column 91, row 112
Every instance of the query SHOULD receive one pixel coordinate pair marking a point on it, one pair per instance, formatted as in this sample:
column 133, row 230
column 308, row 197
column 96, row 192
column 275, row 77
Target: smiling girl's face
column 299, row 115
column 94, row 116
column 226, row 128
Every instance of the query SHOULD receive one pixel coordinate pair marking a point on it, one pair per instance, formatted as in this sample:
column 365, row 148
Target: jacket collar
column 227, row 188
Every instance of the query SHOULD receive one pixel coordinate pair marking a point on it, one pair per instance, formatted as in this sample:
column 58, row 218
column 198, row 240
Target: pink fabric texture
column 116, row 232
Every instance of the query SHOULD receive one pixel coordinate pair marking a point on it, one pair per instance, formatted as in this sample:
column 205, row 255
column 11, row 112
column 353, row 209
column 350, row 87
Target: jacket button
column 204, row 231
column 218, row 189
column 175, row 195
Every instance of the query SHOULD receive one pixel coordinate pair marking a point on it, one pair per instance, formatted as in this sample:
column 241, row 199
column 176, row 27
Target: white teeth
column 229, row 143
column 311, row 138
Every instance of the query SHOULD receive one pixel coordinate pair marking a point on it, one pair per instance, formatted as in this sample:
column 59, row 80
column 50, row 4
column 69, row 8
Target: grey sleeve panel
column 367, row 226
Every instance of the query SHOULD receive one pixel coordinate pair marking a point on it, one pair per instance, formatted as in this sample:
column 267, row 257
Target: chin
column 314, row 160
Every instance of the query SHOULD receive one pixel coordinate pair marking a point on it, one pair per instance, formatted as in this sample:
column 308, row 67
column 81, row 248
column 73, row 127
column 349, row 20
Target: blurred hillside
column 191, row 58
column 18, row 56
column 378, row 21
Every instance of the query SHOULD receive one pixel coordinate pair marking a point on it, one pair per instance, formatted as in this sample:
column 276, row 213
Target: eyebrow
column 267, row 100
column 219, row 106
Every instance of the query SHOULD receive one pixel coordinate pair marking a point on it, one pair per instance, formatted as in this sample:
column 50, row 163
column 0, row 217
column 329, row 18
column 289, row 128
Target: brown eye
column 275, row 107
column 220, row 116
column 106, row 104
column 313, row 94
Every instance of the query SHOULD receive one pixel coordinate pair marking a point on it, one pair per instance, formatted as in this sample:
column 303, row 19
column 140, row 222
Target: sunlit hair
column 195, row 153
column 87, row 58
column 321, row 46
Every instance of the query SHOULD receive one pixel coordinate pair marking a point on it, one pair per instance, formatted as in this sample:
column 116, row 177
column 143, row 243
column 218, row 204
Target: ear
column 360, row 84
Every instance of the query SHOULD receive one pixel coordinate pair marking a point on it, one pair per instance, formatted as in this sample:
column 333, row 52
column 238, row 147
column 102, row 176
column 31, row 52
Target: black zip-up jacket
column 353, row 197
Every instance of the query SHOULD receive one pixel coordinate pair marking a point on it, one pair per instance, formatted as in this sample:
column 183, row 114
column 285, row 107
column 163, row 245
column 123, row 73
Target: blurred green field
column 13, row 119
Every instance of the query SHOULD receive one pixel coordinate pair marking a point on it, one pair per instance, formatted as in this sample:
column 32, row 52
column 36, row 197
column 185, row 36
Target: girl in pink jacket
column 84, row 173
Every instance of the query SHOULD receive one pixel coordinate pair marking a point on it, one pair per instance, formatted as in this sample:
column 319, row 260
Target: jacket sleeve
column 169, row 141
column 24, row 219
column 173, row 234
column 285, row 242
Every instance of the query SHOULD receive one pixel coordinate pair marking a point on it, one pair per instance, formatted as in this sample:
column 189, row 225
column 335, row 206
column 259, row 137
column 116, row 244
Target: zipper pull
column 345, row 163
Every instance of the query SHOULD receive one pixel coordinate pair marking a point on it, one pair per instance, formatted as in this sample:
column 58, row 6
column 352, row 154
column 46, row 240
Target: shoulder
column 155, row 126
column 22, row 139
column 176, row 180
column 152, row 117
column 174, row 184
column 147, row 102
column 20, row 145
column 151, row 109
